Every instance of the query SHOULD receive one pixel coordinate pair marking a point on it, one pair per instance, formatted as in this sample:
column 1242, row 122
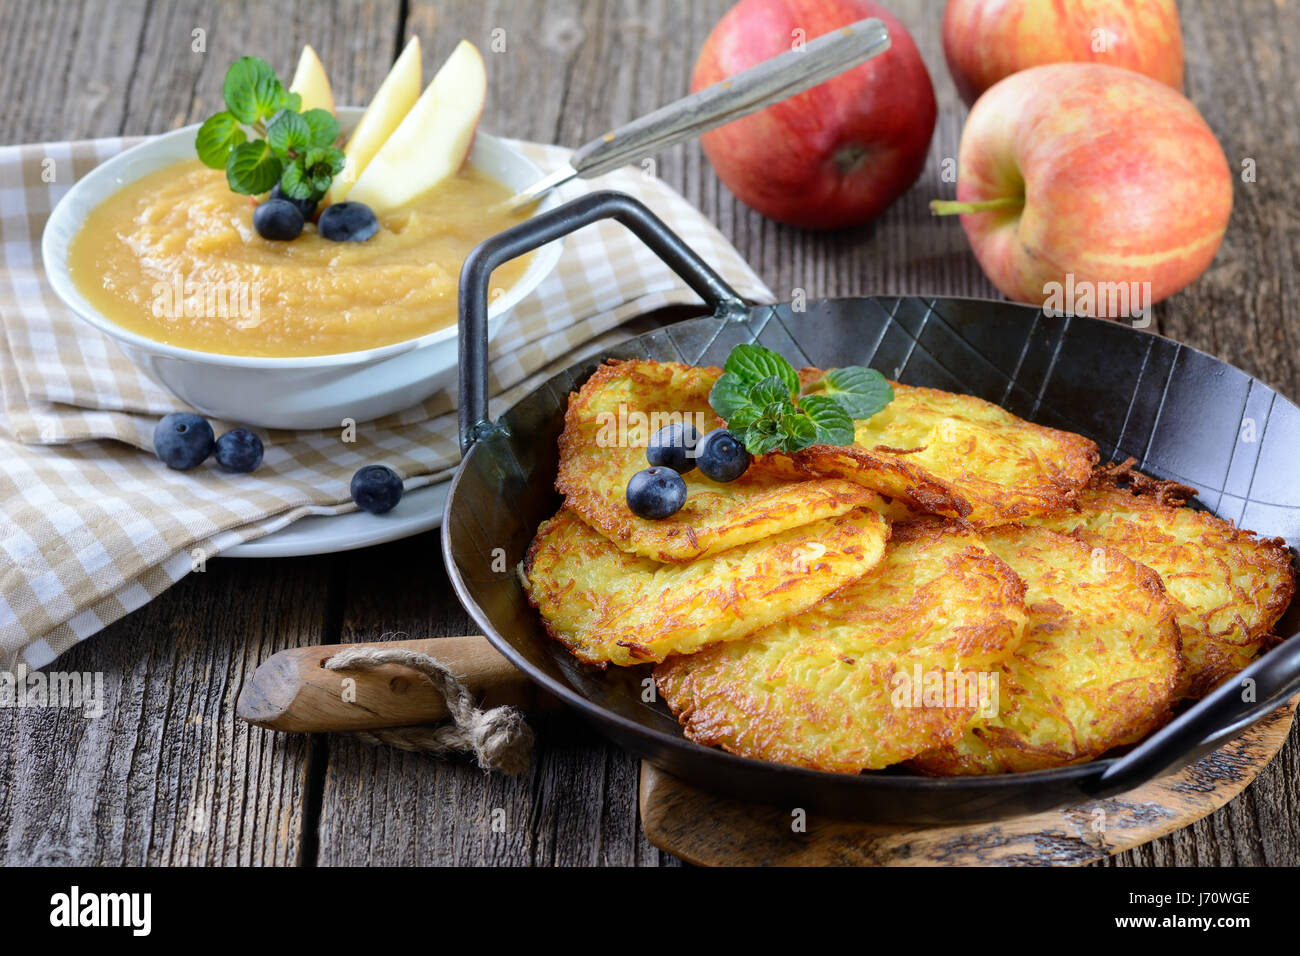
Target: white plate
column 419, row 510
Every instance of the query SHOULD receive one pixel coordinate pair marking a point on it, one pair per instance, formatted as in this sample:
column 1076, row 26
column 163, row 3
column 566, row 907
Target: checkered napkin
column 92, row 526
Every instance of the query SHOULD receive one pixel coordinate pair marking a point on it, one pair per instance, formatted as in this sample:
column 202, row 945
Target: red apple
column 837, row 154
column 986, row 40
column 1084, row 176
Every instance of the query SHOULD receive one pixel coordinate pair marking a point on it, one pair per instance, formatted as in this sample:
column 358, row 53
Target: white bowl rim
column 61, row 279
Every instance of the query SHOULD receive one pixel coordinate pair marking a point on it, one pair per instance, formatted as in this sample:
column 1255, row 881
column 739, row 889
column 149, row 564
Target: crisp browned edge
column 579, row 496
column 589, row 506
column 529, row 556
column 930, row 526
column 1146, row 579
column 1152, row 494
column 933, row 494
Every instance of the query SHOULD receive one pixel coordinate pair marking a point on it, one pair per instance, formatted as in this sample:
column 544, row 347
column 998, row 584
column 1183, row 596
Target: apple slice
column 312, row 83
column 393, row 100
column 433, row 140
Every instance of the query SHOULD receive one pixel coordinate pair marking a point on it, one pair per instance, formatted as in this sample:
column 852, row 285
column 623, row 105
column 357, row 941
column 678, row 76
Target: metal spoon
column 769, row 82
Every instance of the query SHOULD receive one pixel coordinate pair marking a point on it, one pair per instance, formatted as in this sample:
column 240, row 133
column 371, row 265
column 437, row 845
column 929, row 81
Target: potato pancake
column 1098, row 667
column 878, row 672
column 608, row 606
column 606, row 429
column 1232, row 585
column 959, row 456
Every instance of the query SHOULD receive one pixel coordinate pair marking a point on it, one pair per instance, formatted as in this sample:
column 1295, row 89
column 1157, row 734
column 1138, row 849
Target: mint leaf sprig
column 295, row 149
column 760, row 398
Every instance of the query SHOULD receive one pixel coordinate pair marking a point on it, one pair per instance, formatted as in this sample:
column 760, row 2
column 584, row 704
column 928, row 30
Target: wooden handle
column 292, row 690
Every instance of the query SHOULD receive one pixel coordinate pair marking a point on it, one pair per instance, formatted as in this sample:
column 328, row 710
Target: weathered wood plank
column 529, row 48
column 173, row 84
column 65, row 73
column 168, row 775
column 1242, row 75
column 77, row 68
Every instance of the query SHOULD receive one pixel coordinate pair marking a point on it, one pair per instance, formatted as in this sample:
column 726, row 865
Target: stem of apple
column 950, row 207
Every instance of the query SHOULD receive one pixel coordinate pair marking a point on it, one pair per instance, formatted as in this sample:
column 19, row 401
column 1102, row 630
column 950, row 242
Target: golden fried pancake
column 608, row 606
column 1232, row 585
column 1098, row 667
column 606, row 429
column 959, row 456
column 876, row 673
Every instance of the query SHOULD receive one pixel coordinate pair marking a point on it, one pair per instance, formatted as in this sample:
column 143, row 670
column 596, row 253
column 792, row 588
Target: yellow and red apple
column 837, row 154
column 1081, row 173
column 987, row 40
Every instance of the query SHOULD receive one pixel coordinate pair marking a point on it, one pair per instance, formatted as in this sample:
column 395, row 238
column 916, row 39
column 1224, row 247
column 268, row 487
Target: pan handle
column 1221, row 715
column 538, row 231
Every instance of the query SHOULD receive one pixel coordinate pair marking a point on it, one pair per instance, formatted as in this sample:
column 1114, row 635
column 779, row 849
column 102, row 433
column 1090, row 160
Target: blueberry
column 277, row 219
column 673, row 446
column 376, row 488
column 305, row 206
column 347, row 222
column 721, row 456
column 239, row 450
column 656, row 493
column 182, row 440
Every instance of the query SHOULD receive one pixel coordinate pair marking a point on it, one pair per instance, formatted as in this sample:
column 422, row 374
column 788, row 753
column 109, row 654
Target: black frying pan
column 1180, row 412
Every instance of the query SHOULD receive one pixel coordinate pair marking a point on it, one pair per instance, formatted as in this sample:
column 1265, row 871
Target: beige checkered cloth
column 92, row 526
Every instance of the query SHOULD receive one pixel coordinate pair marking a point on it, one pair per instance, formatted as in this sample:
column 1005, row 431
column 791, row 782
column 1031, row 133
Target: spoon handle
column 771, row 81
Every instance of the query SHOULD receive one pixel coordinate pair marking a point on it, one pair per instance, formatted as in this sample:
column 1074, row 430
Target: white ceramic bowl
column 300, row 392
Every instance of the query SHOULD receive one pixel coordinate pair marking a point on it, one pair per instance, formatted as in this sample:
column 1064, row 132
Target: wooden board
column 715, row 831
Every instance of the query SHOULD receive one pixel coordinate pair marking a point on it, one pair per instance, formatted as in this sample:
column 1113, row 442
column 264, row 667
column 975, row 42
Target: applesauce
column 174, row 256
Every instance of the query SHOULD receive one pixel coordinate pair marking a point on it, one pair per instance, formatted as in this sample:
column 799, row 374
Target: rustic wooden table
column 169, row 776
